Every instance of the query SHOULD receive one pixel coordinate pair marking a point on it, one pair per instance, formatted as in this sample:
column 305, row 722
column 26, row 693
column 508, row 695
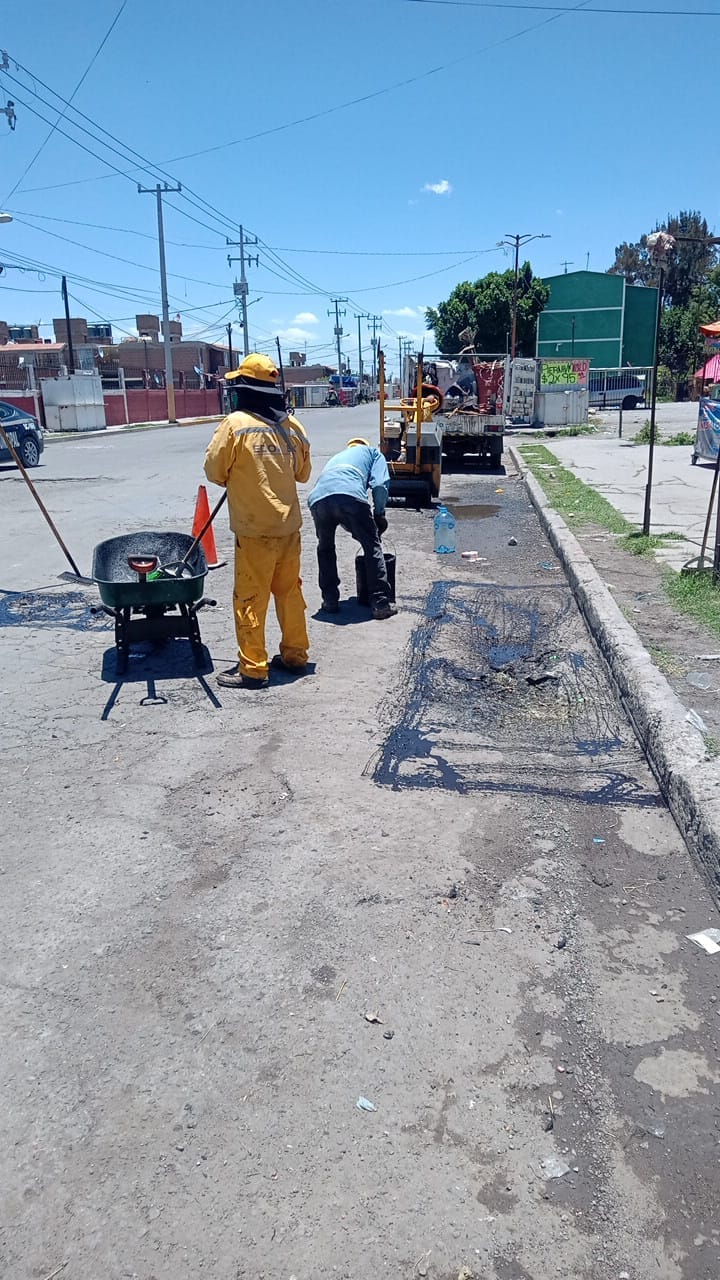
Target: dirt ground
column 448, row 827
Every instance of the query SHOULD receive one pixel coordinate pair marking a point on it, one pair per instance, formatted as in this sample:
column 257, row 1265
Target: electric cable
column 76, row 90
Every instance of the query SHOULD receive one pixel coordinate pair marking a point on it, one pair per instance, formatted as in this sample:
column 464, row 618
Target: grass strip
column 695, row 595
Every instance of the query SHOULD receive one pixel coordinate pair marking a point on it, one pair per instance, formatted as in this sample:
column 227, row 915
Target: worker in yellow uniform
column 259, row 453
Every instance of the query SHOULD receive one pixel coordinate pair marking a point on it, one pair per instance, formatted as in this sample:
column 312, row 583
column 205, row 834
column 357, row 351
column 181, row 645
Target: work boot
column 234, row 679
column 387, row 610
column 278, row 663
column 330, row 606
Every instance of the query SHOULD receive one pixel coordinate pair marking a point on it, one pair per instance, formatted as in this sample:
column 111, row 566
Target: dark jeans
column 356, row 517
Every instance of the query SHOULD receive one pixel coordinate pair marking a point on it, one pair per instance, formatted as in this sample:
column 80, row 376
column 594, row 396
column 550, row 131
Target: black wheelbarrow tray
column 145, row 608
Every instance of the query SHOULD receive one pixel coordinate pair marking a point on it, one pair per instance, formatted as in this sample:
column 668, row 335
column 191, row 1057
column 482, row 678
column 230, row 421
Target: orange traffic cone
column 201, row 517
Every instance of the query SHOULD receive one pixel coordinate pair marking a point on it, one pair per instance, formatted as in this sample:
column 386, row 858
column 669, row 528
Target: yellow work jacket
column 260, row 465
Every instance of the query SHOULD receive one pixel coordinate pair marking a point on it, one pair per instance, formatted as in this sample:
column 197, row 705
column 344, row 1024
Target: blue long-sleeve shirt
column 353, row 471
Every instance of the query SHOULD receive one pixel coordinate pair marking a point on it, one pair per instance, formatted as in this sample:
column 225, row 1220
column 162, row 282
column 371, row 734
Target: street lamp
column 515, row 242
column 661, row 245
column 6, row 217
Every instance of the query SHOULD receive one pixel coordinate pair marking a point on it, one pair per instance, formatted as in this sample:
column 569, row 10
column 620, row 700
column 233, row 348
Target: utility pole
column 241, row 287
column 647, row 509
column 71, row 353
column 338, row 337
column 516, row 242
column 566, row 264
column 159, row 191
column 400, row 362
column 363, row 315
column 406, row 349
column 376, row 323
column 280, row 364
column 230, row 350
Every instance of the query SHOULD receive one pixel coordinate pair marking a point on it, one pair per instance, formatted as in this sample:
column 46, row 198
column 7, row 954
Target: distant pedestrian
column 340, row 497
column 259, row 453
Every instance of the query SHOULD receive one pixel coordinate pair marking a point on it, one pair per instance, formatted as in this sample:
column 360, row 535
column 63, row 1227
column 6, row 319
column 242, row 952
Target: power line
column 342, row 106
column 216, row 248
column 287, row 273
column 108, row 289
column 77, row 88
column 103, row 253
column 101, row 226
column 374, row 253
column 561, row 9
column 143, row 164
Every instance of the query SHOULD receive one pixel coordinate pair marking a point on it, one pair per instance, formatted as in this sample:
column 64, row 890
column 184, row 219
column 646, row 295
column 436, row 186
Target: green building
column 599, row 317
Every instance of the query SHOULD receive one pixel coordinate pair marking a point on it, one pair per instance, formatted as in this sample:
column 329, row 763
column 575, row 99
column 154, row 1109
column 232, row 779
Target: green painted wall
column 613, row 324
column 640, row 317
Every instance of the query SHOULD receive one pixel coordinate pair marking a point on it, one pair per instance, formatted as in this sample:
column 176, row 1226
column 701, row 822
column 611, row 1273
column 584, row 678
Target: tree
column 681, row 344
column 689, row 267
column 485, row 307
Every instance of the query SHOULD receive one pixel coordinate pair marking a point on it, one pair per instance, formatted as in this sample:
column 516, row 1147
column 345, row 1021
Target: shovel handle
column 38, row 499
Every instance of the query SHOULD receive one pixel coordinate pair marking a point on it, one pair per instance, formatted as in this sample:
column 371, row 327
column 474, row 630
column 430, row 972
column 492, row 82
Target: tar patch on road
column 501, row 691
column 50, row 609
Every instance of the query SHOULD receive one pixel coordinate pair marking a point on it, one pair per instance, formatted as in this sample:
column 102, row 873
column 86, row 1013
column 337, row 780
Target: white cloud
column 441, row 188
column 305, row 317
column 405, row 313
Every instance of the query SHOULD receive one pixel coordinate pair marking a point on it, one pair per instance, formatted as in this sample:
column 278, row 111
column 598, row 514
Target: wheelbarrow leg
column 122, row 640
column 195, row 638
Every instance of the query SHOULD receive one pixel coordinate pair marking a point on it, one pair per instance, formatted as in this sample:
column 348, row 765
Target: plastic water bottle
column 444, row 531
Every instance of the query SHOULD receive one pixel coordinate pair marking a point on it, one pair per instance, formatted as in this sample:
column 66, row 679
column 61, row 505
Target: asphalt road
column 98, row 486
column 447, row 826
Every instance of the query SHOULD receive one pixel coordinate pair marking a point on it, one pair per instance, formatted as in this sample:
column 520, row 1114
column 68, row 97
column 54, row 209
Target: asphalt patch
column 50, row 609
column 501, row 691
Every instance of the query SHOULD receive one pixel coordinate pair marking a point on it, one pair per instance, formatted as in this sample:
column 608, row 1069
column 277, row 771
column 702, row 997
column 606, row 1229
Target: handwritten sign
column 564, row 373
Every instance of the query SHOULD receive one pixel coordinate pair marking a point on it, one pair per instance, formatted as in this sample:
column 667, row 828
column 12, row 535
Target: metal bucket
column 361, row 583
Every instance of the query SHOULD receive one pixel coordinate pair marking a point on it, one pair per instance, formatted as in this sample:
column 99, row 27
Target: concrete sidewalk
column 618, row 470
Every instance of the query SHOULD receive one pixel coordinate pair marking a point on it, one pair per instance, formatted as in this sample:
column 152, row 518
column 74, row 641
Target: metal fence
column 115, row 376
column 15, row 376
column 624, row 388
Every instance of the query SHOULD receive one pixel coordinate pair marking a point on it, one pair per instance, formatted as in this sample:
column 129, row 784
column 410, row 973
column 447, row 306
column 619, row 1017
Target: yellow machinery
column 411, row 446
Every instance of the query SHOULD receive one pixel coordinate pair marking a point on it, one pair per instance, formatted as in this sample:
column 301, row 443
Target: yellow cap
column 258, row 367
column 357, row 440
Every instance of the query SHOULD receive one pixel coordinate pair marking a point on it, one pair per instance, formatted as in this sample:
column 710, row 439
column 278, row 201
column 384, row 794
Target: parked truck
column 472, row 391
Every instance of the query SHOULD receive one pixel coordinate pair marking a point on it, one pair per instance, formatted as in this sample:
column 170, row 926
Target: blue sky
column 586, row 127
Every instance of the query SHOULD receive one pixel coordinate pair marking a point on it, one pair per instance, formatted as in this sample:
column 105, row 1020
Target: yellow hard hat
column 357, row 440
column 259, row 368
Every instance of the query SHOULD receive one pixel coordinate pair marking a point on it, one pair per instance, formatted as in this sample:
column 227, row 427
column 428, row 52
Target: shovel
column 76, row 575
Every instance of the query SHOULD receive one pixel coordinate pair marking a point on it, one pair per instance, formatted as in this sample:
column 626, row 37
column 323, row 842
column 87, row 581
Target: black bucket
column 361, row 577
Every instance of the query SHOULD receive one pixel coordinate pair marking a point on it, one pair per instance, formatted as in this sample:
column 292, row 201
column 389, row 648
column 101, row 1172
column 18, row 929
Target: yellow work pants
column 265, row 567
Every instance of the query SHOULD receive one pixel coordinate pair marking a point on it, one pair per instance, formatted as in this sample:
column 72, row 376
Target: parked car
column 24, row 433
column 613, row 388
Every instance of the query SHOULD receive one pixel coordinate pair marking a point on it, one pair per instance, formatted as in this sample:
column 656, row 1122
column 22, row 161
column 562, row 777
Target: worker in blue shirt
column 340, row 497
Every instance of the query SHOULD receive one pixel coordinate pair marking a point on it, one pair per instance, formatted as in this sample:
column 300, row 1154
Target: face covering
column 261, row 399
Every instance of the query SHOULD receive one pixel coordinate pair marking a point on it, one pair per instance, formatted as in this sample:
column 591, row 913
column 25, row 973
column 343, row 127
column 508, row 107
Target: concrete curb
column 675, row 750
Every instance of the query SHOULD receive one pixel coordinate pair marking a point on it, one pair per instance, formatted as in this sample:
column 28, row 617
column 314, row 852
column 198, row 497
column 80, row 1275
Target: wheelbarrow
column 152, row 588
